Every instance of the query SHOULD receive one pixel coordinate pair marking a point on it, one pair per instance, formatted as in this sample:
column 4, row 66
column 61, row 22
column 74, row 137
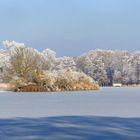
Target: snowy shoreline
column 4, row 87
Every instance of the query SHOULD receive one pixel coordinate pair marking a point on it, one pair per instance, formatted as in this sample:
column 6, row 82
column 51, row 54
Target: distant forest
column 105, row 67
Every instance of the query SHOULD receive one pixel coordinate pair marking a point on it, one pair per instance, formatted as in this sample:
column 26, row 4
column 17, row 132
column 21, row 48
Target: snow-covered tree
column 92, row 64
column 23, row 61
column 65, row 63
column 108, row 67
column 49, row 59
column 136, row 66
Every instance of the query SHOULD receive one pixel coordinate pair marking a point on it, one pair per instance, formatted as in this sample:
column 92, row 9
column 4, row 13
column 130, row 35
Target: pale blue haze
column 71, row 27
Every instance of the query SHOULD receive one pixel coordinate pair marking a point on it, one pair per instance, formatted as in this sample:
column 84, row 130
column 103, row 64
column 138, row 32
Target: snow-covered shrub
column 23, row 61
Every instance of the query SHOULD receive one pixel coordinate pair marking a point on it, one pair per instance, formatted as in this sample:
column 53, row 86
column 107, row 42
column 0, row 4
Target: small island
column 25, row 69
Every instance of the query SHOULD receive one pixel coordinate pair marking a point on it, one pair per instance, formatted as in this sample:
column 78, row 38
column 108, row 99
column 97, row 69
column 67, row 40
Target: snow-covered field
column 111, row 113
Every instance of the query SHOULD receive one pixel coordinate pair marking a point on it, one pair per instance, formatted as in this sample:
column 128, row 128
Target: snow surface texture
column 70, row 128
column 108, row 114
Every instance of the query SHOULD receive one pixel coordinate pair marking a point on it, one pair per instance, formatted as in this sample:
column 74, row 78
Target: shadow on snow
column 70, row 128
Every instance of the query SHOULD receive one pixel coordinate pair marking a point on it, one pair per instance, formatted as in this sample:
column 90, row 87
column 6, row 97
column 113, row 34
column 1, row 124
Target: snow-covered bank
column 70, row 128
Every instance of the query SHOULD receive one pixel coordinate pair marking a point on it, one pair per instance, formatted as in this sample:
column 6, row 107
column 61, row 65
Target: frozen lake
column 118, row 102
column 108, row 114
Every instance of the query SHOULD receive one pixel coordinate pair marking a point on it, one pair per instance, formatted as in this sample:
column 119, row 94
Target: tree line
column 105, row 67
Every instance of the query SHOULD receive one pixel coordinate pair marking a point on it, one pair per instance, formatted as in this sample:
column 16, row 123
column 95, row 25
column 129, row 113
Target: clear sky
column 71, row 27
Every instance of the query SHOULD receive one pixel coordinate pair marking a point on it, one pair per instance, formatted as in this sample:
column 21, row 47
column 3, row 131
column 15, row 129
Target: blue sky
column 71, row 27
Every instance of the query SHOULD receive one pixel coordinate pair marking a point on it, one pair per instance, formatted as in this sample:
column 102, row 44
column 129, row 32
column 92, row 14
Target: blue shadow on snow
column 70, row 128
